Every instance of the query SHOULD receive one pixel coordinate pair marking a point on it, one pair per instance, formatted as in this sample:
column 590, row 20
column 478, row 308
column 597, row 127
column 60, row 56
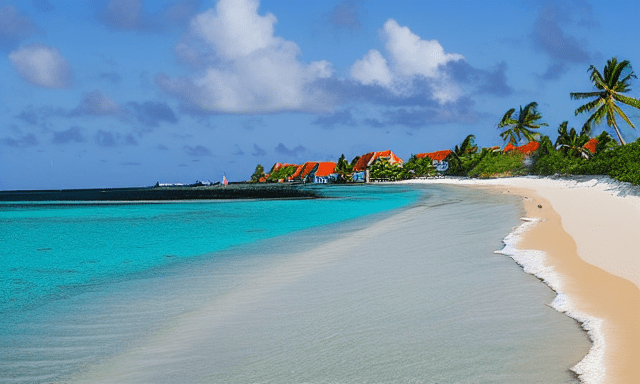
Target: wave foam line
column 591, row 369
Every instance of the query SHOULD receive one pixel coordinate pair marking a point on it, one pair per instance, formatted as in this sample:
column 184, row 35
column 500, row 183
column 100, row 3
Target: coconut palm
column 572, row 144
column 521, row 125
column 609, row 94
column 464, row 157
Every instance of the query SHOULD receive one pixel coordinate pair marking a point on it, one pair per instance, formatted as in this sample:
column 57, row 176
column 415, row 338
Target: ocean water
column 371, row 284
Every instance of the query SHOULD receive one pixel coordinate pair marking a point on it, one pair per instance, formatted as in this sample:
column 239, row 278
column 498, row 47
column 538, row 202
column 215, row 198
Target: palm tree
column 610, row 89
column 572, row 144
column 522, row 124
column 464, row 157
column 343, row 169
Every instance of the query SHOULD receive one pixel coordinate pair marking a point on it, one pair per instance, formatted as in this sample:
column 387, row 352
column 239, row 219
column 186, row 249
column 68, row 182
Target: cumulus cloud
column 13, row 25
column 41, row 65
column 372, row 69
column 409, row 58
column 247, row 68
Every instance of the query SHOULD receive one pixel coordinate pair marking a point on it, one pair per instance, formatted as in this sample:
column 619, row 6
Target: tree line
column 572, row 153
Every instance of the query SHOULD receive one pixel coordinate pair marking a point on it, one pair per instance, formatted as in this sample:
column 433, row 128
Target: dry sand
column 584, row 232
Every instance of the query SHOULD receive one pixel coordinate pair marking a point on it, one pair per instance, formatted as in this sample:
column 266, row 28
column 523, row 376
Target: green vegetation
column 609, row 94
column 282, row 173
column 572, row 153
column 498, row 164
column 383, row 170
column 521, row 125
column 344, row 169
column 258, row 174
column 418, row 167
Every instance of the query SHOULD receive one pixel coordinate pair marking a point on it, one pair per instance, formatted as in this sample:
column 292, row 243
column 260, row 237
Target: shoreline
column 570, row 249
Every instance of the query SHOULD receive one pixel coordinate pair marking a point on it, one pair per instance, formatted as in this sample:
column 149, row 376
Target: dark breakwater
column 232, row 191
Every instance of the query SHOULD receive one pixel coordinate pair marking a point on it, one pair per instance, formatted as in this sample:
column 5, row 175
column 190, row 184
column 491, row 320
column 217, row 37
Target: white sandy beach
column 587, row 231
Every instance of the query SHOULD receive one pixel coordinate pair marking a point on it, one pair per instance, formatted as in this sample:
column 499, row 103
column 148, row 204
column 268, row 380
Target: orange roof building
column 526, row 149
column 277, row 166
column 325, row 169
column 591, row 145
column 318, row 172
column 367, row 159
column 303, row 170
column 437, row 155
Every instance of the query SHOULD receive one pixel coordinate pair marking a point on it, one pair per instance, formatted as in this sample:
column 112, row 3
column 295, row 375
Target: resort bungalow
column 275, row 168
column 438, row 159
column 303, row 170
column 361, row 168
column 315, row 172
column 591, row 145
column 324, row 173
column 526, row 149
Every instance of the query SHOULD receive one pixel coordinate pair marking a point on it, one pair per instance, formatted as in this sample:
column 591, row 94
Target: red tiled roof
column 526, row 149
column 362, row 162
column 325, row 168
column 591, row 145
column 303, row 169
column 368, row 158
column 277, row 166
column 437, row 155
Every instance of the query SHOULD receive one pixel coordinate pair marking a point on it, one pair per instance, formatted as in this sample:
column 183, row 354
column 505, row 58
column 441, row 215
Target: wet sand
column 586, row 230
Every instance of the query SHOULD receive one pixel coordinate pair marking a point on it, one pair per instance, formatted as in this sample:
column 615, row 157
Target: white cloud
column 372, row 69
column 41, row 65
column 409, row 58
column 252, row 70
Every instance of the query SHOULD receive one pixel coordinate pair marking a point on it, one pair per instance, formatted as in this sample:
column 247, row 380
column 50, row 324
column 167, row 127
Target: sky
column 127, row 93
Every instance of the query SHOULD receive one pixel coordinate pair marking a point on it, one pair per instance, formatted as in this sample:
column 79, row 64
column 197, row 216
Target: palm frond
column 589, row 106
column 506, row 119
column 619, row 111
column 584, row 95
column 627, row 100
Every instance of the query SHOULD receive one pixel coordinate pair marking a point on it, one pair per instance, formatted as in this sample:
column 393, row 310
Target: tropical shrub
column 621, row 163
column 343, row 169
column 258, row 174
column 282, row 173
column 498, row 164
column 383, row 170
column 418, row 167
column 556, row 163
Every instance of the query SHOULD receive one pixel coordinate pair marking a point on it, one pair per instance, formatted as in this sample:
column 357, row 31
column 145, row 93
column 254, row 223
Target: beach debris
column 539, row 205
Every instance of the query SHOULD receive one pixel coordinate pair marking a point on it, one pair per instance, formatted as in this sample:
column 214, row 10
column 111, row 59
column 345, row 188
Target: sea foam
column 591, row 369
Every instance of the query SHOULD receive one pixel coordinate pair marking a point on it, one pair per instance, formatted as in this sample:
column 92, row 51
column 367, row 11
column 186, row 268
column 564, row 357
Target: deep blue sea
column 84, row 284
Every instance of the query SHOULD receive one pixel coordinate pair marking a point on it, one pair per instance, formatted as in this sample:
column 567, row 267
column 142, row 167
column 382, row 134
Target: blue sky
column 129, row 92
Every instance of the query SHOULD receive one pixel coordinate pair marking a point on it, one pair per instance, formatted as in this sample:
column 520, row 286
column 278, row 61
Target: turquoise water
column 50, row 250
column 277, row 291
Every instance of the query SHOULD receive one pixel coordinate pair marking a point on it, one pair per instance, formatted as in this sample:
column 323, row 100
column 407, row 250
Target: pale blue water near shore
column 85, row 286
